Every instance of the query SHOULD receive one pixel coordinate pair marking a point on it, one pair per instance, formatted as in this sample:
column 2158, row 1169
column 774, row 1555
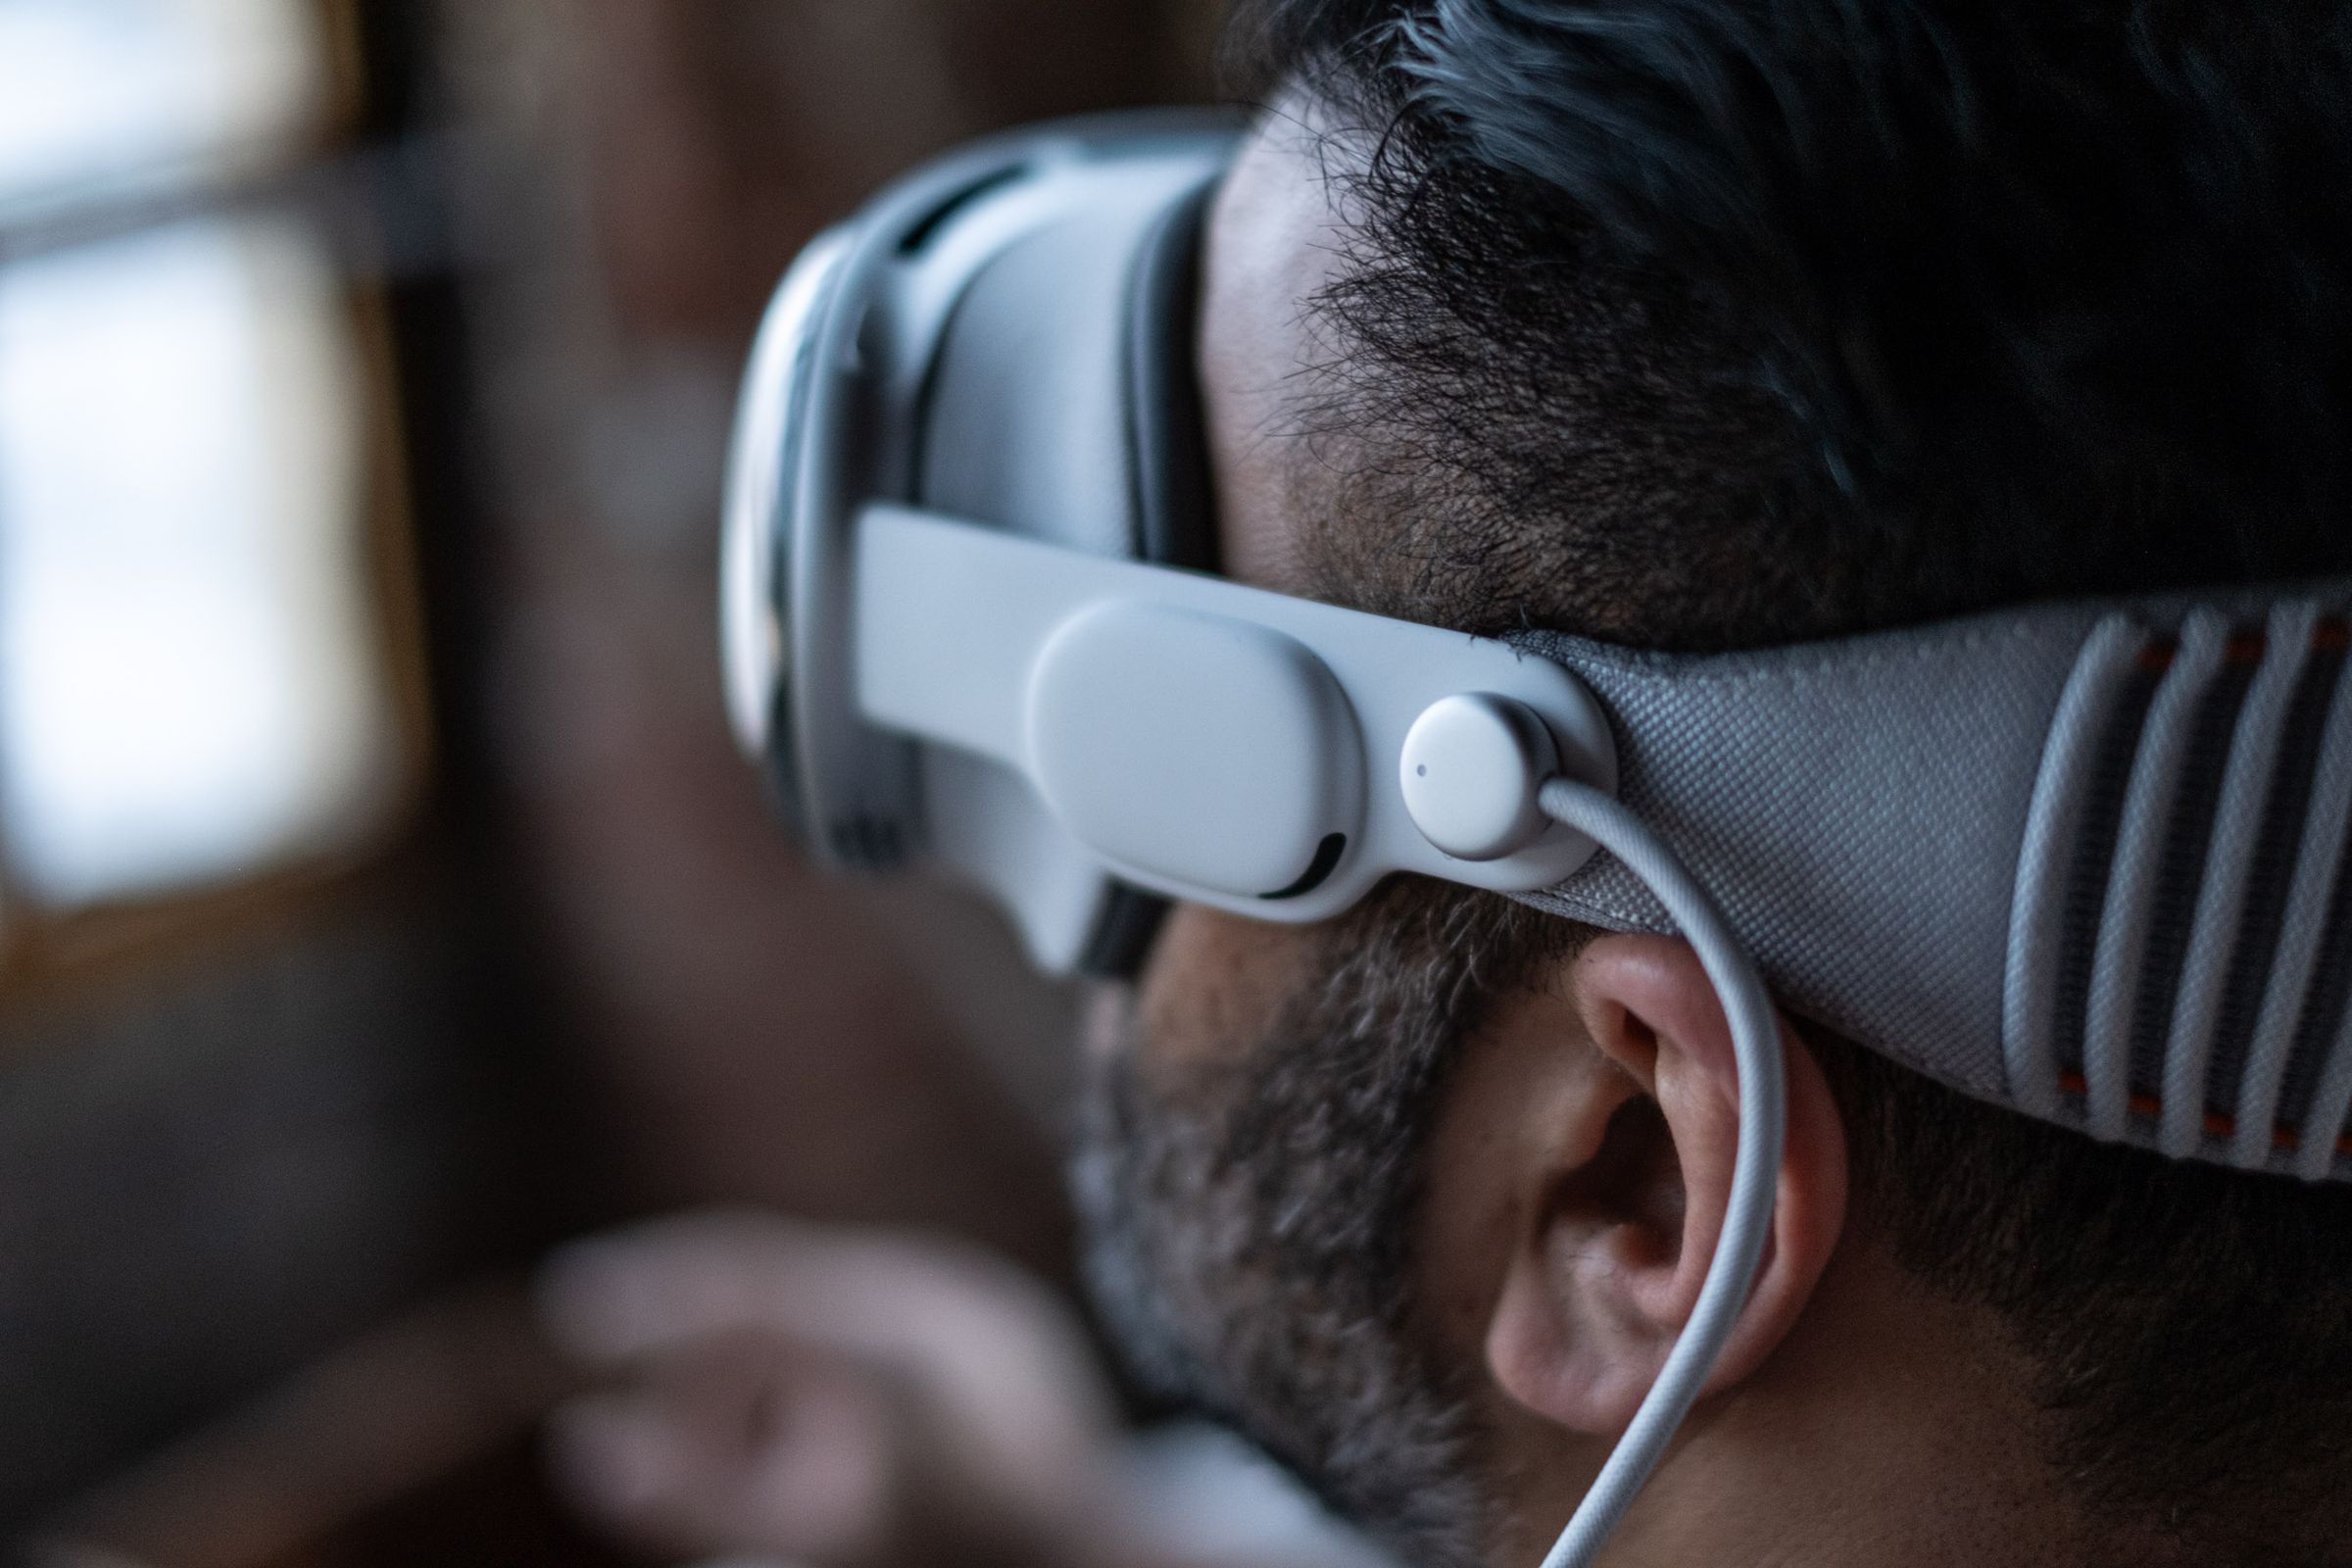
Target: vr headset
column 2083, row 859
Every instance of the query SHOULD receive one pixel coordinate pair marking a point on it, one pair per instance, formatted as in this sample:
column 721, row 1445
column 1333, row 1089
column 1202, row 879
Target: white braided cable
column 1756, row 1175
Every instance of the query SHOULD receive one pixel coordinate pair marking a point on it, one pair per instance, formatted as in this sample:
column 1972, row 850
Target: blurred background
column 381, row 900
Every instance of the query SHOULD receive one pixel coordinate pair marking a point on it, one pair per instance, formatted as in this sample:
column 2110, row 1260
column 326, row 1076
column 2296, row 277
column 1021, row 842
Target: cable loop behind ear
column 1755, row 1173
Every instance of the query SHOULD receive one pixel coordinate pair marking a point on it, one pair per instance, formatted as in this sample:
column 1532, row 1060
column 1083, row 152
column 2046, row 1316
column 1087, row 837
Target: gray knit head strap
column 2084, row 860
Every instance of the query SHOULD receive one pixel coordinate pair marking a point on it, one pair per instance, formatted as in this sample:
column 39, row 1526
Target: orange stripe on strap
column 2283, row 1135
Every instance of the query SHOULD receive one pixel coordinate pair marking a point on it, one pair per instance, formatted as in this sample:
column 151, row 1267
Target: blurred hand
column 839, row 1399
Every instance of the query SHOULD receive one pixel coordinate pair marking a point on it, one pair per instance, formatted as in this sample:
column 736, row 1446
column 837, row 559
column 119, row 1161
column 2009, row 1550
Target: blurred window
column 102, row 90
column 197, row 669
column 187, row 689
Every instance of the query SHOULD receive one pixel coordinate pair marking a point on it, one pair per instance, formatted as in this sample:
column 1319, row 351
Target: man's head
column 1703, row 325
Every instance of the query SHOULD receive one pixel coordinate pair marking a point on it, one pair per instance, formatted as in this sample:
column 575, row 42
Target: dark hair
column 1704, row 324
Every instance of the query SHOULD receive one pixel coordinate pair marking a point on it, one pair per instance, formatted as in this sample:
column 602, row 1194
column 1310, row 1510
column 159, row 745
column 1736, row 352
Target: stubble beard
column 1249, row 1224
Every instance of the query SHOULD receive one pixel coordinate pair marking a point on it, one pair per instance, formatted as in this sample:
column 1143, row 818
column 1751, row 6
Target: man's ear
column 1618, row 1210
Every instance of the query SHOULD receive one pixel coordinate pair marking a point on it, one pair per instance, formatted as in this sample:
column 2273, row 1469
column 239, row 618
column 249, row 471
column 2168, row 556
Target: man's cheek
column 1215, row 985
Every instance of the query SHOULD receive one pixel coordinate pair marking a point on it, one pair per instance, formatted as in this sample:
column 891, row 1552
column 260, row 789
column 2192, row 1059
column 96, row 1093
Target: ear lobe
column 1617, row 1244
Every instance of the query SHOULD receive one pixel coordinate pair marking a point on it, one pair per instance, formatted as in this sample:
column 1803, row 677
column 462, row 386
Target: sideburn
column 1249, row 1219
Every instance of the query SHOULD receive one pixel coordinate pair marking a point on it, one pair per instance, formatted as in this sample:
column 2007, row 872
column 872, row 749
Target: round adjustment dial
column 1470, row 770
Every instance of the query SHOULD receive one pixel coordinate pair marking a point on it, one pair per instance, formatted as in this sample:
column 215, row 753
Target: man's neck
column 1893, row 1426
